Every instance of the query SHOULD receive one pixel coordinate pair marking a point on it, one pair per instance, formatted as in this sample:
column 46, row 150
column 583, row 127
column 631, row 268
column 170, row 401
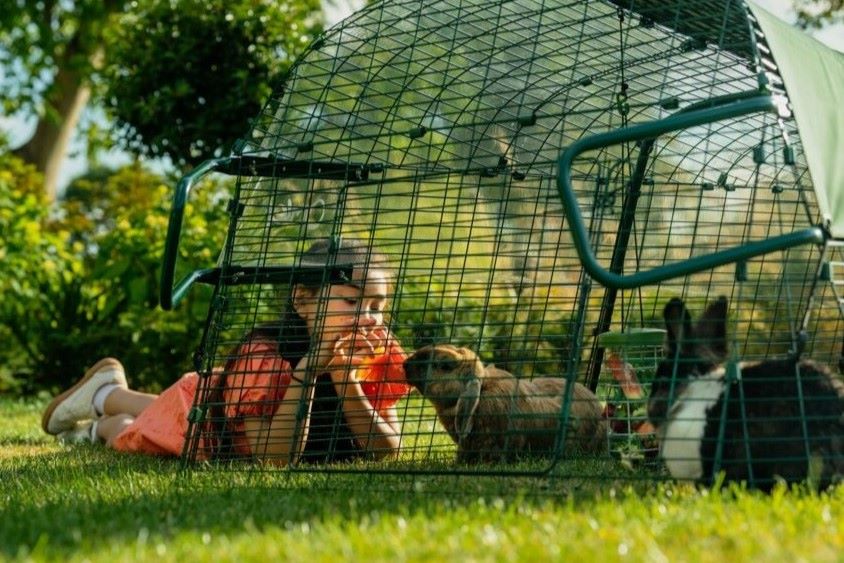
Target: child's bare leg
column 108, row 427
column 126, row 401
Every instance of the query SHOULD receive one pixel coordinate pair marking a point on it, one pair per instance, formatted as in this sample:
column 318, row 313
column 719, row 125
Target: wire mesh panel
column 432, row 132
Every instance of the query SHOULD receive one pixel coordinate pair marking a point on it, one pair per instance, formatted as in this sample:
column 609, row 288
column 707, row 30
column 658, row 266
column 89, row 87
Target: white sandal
column 77, row 403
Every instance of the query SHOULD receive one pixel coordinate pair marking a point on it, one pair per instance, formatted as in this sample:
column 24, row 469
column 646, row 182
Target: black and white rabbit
column 771, row 435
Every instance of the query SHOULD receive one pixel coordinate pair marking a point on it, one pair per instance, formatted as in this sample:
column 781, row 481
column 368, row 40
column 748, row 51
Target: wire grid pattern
column 433, row 129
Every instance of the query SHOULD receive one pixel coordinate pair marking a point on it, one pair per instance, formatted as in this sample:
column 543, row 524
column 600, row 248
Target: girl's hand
column 380, row 339
column 351, row 350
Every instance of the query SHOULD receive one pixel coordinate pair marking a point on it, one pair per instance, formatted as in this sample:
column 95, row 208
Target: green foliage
column 82, row 282
column 818, row 13
column 186, row 76
column 183, row 77
column 32, row 260
column 36, row 36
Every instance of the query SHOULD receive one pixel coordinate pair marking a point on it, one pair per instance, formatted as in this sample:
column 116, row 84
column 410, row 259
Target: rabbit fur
column 493, row 416
column 764, row 439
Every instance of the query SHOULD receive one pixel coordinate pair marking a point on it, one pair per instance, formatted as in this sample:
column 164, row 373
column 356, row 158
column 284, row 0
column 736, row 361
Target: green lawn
column 88, row 504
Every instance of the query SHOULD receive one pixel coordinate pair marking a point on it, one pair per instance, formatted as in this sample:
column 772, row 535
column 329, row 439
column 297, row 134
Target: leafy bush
column 82, row 281
column 33, row 260
column 186, row 77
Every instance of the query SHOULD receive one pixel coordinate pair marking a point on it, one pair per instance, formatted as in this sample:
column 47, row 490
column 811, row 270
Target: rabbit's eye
column 445, row 364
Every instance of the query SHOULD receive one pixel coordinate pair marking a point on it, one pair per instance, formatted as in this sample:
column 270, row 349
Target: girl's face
column 337, row 310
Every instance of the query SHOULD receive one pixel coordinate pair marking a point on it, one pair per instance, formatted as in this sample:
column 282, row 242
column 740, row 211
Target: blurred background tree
column 79, row 271
column 158, row 64
column 818, row 13
column 186, row 77
column 48, row 52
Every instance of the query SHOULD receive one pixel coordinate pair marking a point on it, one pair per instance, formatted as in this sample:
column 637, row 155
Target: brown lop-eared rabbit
column 493, row 416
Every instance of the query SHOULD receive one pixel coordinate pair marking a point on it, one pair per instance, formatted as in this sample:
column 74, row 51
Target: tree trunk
column 65, row 100
column 67, row 96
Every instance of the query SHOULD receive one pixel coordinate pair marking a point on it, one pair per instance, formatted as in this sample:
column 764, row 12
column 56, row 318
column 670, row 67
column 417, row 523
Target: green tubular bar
column 170, row 296
column 258, row 166
column 681, row 120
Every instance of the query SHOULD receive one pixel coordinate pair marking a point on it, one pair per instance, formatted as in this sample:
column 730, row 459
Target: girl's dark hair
column 290, row 332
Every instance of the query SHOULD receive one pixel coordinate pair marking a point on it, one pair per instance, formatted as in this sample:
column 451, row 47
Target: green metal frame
column 170, row 295
column 725, row 109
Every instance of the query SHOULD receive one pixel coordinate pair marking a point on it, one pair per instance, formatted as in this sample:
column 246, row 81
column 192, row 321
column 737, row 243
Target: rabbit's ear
column 711, row 329
column 467, row 403
column 678, row 323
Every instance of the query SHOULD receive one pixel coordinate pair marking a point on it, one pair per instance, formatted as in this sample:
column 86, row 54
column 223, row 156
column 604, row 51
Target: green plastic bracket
column 196, row 414
column 701, row 114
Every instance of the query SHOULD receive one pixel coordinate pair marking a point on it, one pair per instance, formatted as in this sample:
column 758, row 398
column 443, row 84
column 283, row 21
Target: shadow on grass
column 72, row 499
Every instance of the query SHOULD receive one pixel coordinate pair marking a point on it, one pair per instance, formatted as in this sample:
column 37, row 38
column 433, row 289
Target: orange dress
column 254, row 387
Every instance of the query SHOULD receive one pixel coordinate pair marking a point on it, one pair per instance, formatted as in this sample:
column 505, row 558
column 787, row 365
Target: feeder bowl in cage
column 630, row 362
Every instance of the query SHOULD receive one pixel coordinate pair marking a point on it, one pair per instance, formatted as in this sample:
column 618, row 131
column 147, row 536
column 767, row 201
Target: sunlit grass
column 86, row 503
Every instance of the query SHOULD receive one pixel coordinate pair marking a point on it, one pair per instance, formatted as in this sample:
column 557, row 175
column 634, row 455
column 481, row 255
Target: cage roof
column 419, row 88
column 814, row 78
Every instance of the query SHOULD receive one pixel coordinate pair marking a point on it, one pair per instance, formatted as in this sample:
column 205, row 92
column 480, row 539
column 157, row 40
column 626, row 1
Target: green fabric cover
column 814, row 79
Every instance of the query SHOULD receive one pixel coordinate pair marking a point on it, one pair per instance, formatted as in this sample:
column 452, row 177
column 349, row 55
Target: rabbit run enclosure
column 543, row 178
